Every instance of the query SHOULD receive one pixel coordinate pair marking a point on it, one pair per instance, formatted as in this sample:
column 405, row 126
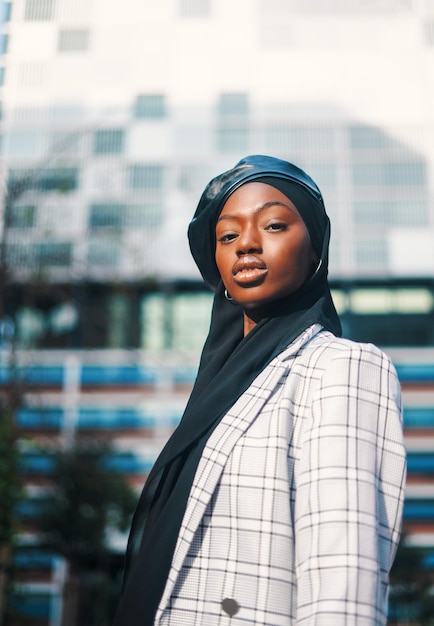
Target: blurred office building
column 114, row 116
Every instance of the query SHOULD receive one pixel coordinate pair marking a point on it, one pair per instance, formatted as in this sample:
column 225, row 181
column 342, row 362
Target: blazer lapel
column 218, row 448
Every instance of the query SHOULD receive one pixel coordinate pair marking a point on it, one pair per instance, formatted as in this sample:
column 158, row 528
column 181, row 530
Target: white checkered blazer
column 295, row 510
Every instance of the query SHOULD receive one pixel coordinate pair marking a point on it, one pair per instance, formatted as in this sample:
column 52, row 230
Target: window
column 194, row 8
column 117, row 215
column 180, row 322
column 395, row 174
column 54, row 254
column 3, row 43
column 5, row 12
column 21, row 216
column 231, row 104
column 39, row 10
column 232, row 139
column 103, row 252
column 58, row 179
column 146, row 176
column 52, row 179
column 109, row 141
column 106, row 214
column 233, row 124
column 369, row 138
column 400, row 212
column 371, row 254
column 73, row 40
column 150, row 106
column 383, row 300
column 19, row 256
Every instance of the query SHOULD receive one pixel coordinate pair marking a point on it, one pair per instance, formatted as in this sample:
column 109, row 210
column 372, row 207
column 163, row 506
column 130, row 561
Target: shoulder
column 329, row 358
column 324, row 347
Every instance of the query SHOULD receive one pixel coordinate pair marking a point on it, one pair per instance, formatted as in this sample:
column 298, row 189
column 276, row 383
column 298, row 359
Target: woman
column 278, row 499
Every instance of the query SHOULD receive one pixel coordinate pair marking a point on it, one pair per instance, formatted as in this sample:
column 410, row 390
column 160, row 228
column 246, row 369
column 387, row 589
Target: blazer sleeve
column 350, row 490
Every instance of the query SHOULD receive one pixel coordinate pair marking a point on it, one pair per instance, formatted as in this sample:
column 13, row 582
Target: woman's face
column 263, row 248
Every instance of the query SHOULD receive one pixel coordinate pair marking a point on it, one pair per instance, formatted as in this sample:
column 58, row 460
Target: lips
column 249, row 269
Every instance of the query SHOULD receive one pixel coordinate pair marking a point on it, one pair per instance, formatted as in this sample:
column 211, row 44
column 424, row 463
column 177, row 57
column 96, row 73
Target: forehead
column 256, row 196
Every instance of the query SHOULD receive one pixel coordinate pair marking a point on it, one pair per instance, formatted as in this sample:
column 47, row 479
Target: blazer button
column 230, row 606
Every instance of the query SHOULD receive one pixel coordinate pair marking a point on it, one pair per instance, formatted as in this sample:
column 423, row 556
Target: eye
column 276, row 226
column 227, row 237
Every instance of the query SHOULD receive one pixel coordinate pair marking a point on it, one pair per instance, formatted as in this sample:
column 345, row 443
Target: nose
column 249, row 241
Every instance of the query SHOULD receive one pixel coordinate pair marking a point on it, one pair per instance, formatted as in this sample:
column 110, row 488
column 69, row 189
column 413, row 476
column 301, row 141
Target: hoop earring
column 318, row 268
column 227, row 296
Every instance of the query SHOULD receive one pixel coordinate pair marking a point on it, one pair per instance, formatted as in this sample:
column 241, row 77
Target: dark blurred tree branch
column 412, row 593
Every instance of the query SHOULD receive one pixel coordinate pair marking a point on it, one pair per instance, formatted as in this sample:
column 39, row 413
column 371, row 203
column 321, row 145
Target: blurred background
column 114, row 116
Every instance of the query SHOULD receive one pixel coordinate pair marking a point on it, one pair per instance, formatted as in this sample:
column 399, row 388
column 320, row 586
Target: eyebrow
column 267, row 205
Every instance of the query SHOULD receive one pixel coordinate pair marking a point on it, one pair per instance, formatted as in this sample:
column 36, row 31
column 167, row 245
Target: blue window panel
column 109, row 375
column 124, row 418
column 420, row 417
column 428, row 561
column 32, row 508
column 419, row 510
column 128, row 464
column 33, row 559
column 43, row 374
column 415, row 373
column 36, row 463
column 114, row 418
column 5, row 12
column 39, row 418
column 96, row 418
column 5, row 375
column 420, row 463
column 37, row 606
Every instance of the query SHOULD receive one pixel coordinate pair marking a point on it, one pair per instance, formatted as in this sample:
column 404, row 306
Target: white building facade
column 115, row 117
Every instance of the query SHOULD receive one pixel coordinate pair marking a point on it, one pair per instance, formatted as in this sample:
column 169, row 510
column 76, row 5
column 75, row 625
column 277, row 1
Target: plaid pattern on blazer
column 295, row 511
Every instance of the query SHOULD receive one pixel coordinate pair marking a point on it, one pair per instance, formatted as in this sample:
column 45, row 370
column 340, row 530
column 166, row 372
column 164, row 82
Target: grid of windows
column 150, row 106
column 76, row 40
column 40, row 10
column 109, row 141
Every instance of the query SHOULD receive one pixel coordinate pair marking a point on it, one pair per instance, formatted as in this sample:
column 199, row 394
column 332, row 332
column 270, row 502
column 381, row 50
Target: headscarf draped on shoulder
column 228, row 365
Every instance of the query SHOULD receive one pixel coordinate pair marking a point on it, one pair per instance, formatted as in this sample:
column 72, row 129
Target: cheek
column 222, row 261
column 296, row 260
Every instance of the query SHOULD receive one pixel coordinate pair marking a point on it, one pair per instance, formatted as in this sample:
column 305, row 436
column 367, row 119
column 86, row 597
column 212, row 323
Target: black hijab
column 228, row 365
